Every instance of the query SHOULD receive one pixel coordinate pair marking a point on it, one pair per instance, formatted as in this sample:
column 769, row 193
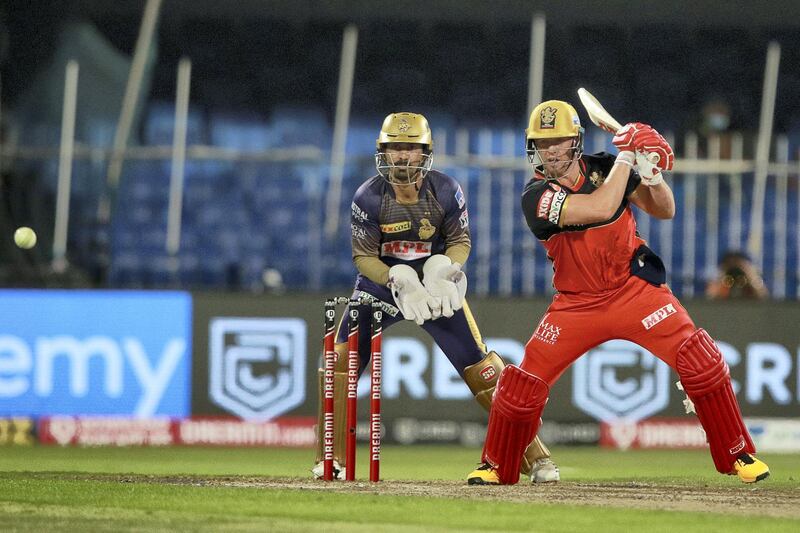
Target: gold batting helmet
column 553, row 119
column 410, row 128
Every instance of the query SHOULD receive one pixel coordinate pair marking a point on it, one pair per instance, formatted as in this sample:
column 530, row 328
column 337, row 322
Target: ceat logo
column 240, row 346
column 599, row 389
column 488, row 373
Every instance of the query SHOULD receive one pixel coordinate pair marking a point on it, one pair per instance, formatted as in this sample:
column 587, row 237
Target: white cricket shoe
column 544, row 471
column 319, row 469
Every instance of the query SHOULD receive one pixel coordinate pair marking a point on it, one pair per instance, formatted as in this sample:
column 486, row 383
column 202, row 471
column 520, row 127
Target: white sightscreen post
column 66, row 153
column 178, row 157
column 712, row 233
column 735, row 212
column 343, row 98
column 508, row 201
column 2, row 145
column 780, row 220
column 689, row 219
column 754, row 240
column 484, row 224
column 536, row 62
column 132, row 89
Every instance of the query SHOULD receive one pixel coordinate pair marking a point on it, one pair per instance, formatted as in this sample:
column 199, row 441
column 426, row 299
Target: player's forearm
column 662, row 201
column 608, row 196
column 373, row 268
column 458, row 253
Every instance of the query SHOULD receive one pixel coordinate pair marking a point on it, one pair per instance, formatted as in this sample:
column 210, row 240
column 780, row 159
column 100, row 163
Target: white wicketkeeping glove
column 649, row 172
column 410, row 295
column 446, row 282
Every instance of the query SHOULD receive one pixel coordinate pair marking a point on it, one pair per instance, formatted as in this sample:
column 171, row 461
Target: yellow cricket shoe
column 749, row 469
column 483, row 475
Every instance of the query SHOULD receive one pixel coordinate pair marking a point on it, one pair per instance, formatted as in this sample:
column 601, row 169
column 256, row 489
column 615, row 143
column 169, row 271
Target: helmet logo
column 426, row 229
column 548, row 117
column 403, row 126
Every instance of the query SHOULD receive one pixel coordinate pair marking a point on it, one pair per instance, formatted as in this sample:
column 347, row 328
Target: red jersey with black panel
column 590, row 258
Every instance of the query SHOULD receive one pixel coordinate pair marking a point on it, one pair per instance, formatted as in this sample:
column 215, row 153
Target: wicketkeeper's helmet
column 404, row 128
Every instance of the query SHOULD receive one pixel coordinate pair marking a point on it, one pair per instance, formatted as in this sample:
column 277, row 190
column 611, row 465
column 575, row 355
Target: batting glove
column 652, row 142
column 648, row 171
column 624, row 139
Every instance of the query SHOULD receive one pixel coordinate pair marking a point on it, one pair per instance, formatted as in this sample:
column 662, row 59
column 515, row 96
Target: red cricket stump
column 352, row 389
column 330, row 361
column 375, row 395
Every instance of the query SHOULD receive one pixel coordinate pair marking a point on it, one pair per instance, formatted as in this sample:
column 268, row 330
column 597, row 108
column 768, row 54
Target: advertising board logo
column 620, row 380
column 257, row 365
column 95, row 353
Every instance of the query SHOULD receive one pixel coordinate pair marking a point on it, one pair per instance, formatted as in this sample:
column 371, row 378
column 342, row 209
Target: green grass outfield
column 227, row 489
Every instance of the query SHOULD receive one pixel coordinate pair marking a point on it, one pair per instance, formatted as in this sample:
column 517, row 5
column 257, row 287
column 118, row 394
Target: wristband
column 626, row 158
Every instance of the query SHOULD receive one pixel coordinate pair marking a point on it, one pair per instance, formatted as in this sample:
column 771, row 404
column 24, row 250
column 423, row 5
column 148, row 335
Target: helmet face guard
column 405, row 128
column 389, row 169
column 553, row 119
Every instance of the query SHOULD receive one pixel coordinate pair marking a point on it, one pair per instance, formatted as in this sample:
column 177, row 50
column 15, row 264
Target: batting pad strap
column 706, row 380
column 514, row 419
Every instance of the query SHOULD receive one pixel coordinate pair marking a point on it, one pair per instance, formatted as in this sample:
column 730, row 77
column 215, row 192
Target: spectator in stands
column 715, row 121
column 738, row 277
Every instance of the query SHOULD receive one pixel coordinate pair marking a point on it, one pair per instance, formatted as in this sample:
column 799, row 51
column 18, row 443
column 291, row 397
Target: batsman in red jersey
column 610, row 285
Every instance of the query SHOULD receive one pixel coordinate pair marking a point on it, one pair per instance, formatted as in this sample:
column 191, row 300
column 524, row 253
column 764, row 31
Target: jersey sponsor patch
column 554, row 214
column 547, row 332
column 406, row 250
column 396, row 227
column 657, row 316
column 460, row 200
column 544, row 203
column 358, row 231
column 358, row 213
column 463, row 220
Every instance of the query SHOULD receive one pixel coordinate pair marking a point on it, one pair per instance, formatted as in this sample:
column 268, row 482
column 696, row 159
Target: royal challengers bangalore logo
column 548, row 118
column 597, row 178
column 403, row 126
column 426, row 230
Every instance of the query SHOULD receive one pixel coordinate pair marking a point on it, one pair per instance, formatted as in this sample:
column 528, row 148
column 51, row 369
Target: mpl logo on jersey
column 94, row 353
column 257, row 365
column 600, row 390
column 406, row 250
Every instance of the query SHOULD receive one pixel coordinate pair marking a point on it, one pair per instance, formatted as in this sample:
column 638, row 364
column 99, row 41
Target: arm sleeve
column 458, row 253
column 366, row 233
column 373, row 268
column 456, row 220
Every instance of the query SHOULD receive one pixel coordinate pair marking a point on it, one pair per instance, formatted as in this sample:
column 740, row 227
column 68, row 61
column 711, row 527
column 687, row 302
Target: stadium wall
column 190, row 367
